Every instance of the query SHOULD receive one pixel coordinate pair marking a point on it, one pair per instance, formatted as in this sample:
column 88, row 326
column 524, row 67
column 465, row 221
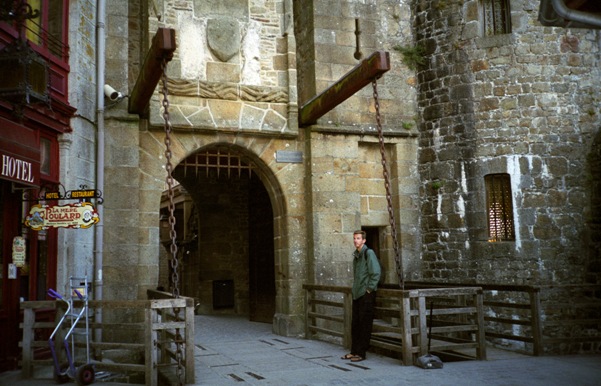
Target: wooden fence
column 556, row 319
column 402, row 320
column 161, row 320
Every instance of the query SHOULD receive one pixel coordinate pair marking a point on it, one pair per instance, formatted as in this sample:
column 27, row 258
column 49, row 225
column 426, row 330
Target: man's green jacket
column 366, row 272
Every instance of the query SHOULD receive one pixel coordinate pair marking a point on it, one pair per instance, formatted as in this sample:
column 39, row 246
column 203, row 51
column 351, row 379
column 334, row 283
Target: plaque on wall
column 289, row 156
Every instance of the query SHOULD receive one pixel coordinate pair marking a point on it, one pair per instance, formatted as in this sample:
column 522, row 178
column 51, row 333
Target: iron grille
column 499, row 207
column 496, row 17
column 219, row 160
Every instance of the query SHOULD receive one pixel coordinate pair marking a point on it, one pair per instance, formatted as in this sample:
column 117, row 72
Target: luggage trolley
column 84, row 374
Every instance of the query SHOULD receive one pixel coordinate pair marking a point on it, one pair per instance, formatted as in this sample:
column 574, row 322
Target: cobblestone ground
column 233, row 351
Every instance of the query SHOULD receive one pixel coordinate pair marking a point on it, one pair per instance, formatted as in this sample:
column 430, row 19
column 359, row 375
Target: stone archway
column 226, row 232
column 282, row 181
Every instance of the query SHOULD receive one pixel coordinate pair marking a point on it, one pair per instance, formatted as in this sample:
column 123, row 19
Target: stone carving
column 223, row 36
column 227, row 91
column 263, row 94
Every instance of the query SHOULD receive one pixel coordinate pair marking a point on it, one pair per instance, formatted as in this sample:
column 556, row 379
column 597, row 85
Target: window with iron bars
column 496, row 17
column 499, row 207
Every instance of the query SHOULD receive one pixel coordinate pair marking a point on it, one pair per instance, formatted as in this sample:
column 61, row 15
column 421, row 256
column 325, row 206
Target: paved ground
column 233, row 351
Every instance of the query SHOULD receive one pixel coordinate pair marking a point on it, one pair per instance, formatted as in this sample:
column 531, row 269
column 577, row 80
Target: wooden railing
column 542, row 319
column 328, row 312
column 512, row 313
column 160, row 321
column 402, row 319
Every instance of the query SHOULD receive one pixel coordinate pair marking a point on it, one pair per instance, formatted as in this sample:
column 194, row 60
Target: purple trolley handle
column 79, row 294
column 53, row 294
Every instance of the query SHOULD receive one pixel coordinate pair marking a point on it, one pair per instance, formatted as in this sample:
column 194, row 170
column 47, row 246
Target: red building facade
column 34, row 112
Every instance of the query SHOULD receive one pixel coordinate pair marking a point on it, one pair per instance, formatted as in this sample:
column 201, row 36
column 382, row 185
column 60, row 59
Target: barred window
column 496, row 18
column 499, row 207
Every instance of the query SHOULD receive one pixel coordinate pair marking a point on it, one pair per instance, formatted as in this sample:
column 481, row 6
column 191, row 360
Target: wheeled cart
column 63, row 372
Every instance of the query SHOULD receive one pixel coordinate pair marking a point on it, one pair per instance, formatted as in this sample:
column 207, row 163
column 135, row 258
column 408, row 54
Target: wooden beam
column 354, row 80
column 162, row 48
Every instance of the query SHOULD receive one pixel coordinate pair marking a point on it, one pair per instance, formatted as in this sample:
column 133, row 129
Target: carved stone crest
column 223, row 35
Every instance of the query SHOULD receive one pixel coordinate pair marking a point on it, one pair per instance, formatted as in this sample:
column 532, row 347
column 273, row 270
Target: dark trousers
column 361, row 324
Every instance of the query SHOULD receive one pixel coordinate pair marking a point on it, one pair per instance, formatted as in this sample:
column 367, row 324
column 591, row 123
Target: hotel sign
column 19, row 154
column 16, row 169
column 78, row 215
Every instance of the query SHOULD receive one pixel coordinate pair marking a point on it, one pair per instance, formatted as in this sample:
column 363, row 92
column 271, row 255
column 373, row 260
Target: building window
column 49, row 155
column 499, row 207
column 496, row 18
column 48, row 31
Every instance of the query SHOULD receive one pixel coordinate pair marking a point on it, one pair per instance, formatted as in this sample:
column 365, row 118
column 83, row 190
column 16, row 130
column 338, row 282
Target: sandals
column 353, row 357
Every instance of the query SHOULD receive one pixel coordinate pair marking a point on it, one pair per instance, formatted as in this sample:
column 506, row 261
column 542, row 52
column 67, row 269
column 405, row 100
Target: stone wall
column 248, row 99
column 523, row 103
column 75, row 248
column 232, row 70
column 327, row 49
column 345, row 176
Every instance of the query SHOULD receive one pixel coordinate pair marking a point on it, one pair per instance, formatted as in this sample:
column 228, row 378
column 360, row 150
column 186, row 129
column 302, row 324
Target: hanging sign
column 18, row 251
column 78, row 215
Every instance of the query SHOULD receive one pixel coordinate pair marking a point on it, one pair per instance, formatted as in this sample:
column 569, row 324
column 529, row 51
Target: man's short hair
column 359, row 232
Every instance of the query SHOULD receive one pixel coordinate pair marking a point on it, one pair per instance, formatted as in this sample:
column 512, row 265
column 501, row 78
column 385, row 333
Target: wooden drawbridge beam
column 361, row 75
column 162, row 48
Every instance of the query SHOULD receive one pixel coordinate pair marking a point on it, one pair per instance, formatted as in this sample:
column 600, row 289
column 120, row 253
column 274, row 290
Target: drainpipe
column 569, row 14
column 99, row 227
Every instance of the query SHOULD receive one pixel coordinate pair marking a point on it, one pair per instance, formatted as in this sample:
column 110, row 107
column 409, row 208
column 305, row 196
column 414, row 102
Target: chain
column 174, row 262
column 395, row 241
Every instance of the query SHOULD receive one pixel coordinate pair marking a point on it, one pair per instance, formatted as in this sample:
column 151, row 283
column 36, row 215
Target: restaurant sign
column 78, row 215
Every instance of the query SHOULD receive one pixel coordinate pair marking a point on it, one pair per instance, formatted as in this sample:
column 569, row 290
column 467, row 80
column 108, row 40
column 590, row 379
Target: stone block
column 226, row 114
column 330, row 183
column 238, row 9
column 273, row 122
column 223, row 72
column 280, row 62
column 251, row 117
column 339, row 201
column 334, row 146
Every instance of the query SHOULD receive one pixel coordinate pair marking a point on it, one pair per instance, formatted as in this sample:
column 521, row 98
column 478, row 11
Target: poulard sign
column 78, row 215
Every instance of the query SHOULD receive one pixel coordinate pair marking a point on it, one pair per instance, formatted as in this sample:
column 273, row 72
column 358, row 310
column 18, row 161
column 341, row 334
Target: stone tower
column 509, row 115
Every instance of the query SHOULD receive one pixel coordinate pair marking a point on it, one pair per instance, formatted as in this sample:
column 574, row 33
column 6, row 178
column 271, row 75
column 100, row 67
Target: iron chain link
column 397, row 254
column 174, row 262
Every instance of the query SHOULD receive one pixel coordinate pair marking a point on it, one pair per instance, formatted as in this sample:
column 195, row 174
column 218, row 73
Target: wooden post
column 423, row 324
column 537, row 333
column 406, row 325
column 28, row 336
column 189, row 335
column 308, row 321
column 151, row 352
column 481, row 335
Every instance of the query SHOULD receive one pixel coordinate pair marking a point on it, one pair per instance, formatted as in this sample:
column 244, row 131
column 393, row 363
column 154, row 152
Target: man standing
column 366, row 274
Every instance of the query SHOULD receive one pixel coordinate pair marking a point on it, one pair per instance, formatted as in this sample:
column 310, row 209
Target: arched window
column 499, row 207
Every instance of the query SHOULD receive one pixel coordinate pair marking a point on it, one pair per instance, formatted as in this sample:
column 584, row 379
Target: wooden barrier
column 162, row 320
column 401, row 324
column 545, row 319
column 512, row 312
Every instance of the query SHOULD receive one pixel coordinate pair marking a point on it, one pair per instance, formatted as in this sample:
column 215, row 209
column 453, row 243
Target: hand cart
column 84, row 374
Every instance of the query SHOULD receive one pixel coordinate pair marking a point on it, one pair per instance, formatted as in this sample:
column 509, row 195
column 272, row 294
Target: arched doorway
column 226, row 232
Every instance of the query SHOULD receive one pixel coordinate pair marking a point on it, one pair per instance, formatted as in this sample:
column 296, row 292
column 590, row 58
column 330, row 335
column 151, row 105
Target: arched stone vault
column 283, row 182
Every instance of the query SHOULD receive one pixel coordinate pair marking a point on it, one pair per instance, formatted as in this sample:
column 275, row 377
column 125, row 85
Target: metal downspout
column 99, row 235
column 573, row 15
